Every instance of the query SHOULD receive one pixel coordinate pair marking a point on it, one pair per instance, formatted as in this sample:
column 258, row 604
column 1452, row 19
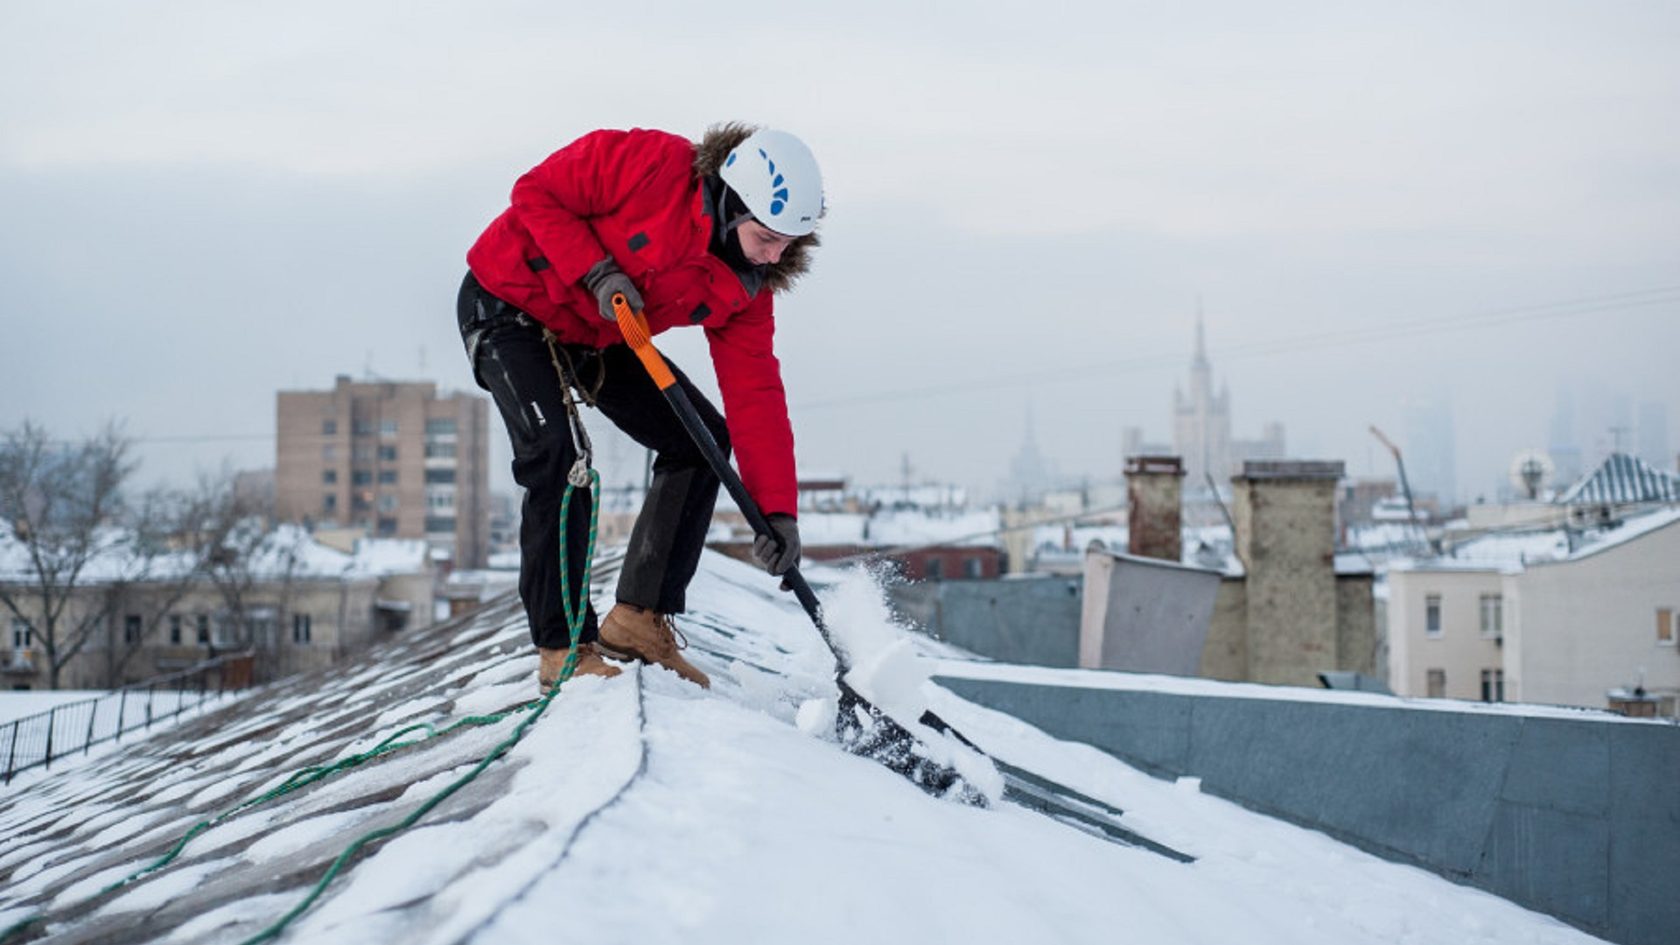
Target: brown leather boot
column 630, row 632
column 552, row 663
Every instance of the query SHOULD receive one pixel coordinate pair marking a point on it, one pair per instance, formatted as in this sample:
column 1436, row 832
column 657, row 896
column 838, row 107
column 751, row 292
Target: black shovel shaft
column 709, row 448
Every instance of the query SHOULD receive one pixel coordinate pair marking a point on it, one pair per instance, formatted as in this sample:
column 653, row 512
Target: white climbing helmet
column 777, row 178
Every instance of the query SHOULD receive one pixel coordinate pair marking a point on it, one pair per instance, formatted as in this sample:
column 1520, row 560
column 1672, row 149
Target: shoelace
column 676, row 631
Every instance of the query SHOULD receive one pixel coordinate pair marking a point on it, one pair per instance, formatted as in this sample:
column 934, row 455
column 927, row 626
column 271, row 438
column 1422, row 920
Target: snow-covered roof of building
column 1515, row 549
column 288, row 550
column 895, row 528
column 1623, row 480
column 640, row 809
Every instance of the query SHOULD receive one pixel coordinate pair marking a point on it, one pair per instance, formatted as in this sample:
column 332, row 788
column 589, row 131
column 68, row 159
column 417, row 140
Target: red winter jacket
column 636, row 196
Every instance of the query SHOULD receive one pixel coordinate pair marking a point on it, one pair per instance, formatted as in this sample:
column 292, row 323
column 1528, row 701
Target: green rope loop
column 575, row 615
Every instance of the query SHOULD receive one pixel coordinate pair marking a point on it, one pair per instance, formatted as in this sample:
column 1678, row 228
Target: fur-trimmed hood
column 709, row 154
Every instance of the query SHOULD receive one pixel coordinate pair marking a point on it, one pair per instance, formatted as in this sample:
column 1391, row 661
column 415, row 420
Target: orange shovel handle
column 635, row 329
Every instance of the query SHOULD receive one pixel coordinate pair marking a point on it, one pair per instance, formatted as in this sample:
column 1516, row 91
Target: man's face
column 761, row 245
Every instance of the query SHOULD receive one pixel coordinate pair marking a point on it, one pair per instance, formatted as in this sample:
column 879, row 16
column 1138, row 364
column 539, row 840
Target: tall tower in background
column 391, row 458
column 1202, row 421
column 1431, row 449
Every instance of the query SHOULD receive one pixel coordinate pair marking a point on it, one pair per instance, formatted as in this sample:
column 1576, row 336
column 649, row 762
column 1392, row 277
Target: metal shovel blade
column 867, row 731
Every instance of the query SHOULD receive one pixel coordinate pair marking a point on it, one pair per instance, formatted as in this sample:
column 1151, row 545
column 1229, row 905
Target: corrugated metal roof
column 1622, row 479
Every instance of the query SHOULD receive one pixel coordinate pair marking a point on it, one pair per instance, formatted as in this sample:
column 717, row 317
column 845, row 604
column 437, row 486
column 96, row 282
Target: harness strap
column 579, row 475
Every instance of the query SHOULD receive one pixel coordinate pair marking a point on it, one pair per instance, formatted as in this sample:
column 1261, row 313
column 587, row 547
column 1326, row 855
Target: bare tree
column 60, row 502
column 158, row 570
column 246, row 559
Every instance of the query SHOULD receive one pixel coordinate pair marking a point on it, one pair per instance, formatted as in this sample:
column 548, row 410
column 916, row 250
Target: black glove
column 780, row 552
column 604, row 280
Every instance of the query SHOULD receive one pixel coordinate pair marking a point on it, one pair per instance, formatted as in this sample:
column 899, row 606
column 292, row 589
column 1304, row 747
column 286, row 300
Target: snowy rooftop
column 1623, row 479
column 641, row 809
column 289, row 548
column 894, row 528
column 1516, row 549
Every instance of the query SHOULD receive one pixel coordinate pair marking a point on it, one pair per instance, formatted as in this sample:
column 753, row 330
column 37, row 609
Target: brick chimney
column 1154, row 496
column 1285, row 515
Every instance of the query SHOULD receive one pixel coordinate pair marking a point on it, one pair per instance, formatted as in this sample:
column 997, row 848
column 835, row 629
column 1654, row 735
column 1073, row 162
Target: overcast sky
column 1375, row 203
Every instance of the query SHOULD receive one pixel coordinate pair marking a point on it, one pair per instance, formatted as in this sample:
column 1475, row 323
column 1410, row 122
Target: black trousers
column 512, row 361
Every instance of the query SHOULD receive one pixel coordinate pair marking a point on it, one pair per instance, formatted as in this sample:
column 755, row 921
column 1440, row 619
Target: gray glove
column 603, row 280
column 780, row 552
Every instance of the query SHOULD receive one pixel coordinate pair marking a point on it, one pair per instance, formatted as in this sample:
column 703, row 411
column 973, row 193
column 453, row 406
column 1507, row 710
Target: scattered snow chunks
column 216, row 791
column 125, row 828
column 158, row 889
column 256, row 908
column 817, row 716
column 486, row 698
column 91, row 885
column 304, row 834
column 410, row 867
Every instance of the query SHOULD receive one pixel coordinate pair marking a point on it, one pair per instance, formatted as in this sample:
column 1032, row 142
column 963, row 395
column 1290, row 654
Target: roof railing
column 37, row 740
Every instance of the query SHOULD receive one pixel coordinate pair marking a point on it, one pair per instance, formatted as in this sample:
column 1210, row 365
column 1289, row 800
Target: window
column 1432, row 615
column 935, row 569
column 361, row 428
column 329, row 427
column 329, row 476
column 971, row 568
column 175, row 629
column 387, row 428
column 387, row 503
column 1437, row 684
column 361, row 453
column 1493, row 617
column 440, row 501
column 225, row 630
column 23, row 636
column 132, row 625
column 329, row 504
column 439, row 525
column 387, row 527
column 203, row 628
column 388, row 454
column 361, row 477
column 440, row 426
column 440, row 476
column 1665, row 626
column 1493, row 685
column 440, row 450
column 329, row 453
column 387, row 477
column 300, row 628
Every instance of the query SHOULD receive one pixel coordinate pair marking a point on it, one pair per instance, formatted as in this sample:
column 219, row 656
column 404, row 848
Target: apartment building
column 393, row 459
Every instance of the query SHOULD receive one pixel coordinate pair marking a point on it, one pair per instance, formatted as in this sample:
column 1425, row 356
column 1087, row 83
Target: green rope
column 313, row 774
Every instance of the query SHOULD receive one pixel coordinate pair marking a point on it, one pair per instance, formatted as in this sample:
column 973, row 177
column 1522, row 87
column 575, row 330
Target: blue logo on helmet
column 779, row 197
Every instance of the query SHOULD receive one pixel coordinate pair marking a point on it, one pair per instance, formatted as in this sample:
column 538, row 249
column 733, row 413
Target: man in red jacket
column 692, row 234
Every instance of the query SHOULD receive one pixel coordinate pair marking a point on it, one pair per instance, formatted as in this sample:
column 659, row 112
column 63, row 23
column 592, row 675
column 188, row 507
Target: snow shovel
column 861, row 726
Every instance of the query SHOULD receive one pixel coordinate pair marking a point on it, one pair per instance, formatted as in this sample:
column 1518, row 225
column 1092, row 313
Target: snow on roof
column 900, row 528
column 641, row 809
column 1623, row 480
column 1513, row 550
column 289, row 548
column 1193, row 686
